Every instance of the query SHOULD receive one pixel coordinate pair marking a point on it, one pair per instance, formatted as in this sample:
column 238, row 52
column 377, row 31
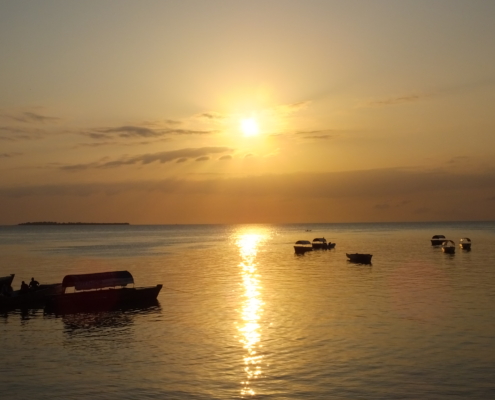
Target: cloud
column 203, row 158
column 181, row 160
column 211, row 116
column 129, row 131
column 31, row 117
column 321, row 137
column 9, row 155
column 162, row 157
column 226, row 157
column 397, row 100
column 17, row 134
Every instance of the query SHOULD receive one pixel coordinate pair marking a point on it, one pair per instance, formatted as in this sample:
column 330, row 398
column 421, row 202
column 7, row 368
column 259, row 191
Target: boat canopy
column 303, row 242
column 438, row 237
column 321, row 240
column 98, row 281
column 448, row 243
column 465, row 240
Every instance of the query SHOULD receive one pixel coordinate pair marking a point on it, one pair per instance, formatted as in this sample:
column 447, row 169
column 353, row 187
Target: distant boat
column 322, row 244
column 465, row 244
column 359, row 258
column 448, row 246
column 437, row 240
column 319, row 244
column 102, row 291
column 302, row 246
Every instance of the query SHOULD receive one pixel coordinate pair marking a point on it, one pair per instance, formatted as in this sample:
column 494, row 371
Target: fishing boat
column 32, row 298
column 302, row 246
column 100, row 291
column 359, row 258
column 437, row 240
column 465, row 244
column 448, row 246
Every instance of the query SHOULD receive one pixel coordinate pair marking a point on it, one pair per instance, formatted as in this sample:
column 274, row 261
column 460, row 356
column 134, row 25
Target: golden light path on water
column 251, row 311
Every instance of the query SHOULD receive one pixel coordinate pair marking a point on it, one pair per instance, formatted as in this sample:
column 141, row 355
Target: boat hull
column 359, row 258
column 102, row 300
column 448, row 250
column 302, row 250
column 465, row 246
column 31, row 299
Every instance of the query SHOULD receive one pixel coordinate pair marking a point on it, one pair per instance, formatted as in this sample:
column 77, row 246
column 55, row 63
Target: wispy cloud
column 131, row 131
column 9, row 155
column 162, row 157
column 11, row 134
column 397, row 100
column 31, row 117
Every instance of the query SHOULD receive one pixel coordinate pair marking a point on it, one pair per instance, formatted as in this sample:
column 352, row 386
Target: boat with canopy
column 100, row 291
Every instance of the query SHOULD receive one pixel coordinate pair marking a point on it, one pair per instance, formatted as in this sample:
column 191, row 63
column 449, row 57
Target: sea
column 241, row 316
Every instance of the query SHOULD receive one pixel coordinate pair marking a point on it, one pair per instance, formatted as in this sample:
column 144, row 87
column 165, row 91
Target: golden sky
column 195, row 111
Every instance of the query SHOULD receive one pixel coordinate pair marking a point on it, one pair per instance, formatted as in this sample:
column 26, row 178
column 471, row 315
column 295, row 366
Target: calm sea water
column 240, row 316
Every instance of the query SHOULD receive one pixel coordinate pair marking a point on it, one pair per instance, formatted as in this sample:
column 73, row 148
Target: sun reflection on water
column 251, row 309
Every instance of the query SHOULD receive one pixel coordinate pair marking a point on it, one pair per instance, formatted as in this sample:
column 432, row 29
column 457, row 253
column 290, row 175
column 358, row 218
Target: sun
column 249, row 127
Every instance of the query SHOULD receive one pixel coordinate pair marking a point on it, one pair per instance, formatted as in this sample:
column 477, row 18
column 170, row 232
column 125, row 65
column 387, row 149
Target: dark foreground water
column 240, row 316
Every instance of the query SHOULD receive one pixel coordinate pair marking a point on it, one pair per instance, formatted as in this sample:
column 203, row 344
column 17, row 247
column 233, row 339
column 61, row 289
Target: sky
column 273, row 111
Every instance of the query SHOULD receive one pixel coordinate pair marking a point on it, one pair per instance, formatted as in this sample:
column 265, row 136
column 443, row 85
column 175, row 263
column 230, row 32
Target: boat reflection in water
column 90, row 323
column 251, row 310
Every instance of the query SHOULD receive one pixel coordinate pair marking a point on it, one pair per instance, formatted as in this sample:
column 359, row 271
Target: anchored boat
column 465, row 244
column 448, row 246
column 359, row 258
column 100, row 291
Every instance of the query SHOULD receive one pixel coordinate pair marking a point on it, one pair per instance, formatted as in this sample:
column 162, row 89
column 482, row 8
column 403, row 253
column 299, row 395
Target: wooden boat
column 302, row 246
column 102, row 291
column 437, row 240
column 448, row 246
column 359, row 258
column 34, row 298
column 465, row 244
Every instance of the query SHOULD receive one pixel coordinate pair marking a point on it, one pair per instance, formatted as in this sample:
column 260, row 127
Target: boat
column 302, row 246
column 448, row 246
column 359, row 258
column 465, row 244
column 437, row 240
column 6, row 280
column 103, row 291
column 32, row 298
column 319, row 243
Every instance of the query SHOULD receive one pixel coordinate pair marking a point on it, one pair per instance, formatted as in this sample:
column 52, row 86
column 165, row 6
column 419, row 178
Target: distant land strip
column 73, row 223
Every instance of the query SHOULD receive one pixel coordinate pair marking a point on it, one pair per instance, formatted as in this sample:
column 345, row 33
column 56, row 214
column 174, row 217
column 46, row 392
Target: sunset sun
column 249, row 127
